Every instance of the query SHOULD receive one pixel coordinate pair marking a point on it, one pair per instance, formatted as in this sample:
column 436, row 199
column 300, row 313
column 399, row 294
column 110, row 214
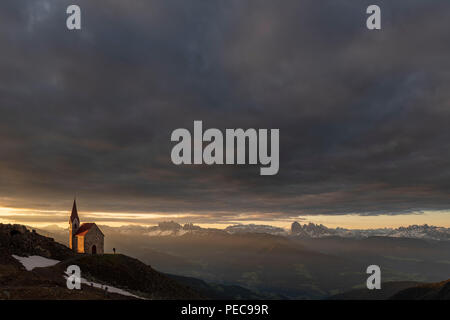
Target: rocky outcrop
column 18, row 240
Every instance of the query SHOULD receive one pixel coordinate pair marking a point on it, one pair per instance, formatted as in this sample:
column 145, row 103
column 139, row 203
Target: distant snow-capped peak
column 414, row 231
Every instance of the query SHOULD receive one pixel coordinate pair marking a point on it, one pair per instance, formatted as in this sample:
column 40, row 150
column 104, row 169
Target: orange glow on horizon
column 41, row 218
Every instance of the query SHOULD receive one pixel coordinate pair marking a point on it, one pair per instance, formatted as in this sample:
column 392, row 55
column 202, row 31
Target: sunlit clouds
column 39, row 218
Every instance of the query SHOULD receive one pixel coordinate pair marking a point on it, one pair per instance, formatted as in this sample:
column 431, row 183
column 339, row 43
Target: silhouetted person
column 114, row 250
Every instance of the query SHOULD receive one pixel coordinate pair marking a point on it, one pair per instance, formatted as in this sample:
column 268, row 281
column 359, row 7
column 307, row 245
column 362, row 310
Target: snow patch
column 32, row 262
column 107, row 288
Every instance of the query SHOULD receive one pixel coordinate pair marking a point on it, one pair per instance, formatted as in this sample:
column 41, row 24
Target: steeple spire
column 74, row 212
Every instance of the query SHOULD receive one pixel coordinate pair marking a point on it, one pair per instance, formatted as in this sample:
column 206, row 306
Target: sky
column 363, row 115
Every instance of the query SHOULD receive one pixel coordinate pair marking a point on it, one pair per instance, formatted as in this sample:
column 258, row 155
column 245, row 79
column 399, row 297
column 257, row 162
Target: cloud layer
column 363, row 115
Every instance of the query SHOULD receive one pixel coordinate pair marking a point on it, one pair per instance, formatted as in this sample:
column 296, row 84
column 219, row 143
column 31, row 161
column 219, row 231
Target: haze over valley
column 309, row 261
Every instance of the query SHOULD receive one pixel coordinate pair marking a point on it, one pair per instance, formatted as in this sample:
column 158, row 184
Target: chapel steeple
column 74, row 224
column 74, row 214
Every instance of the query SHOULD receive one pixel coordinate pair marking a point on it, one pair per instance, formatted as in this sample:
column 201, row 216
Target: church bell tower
column 74, row 224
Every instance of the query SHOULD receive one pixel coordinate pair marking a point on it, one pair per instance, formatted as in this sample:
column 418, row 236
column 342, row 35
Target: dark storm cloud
column 363, row 115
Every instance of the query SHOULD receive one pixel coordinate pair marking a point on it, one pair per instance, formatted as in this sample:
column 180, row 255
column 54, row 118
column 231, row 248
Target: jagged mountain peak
column 425, row 231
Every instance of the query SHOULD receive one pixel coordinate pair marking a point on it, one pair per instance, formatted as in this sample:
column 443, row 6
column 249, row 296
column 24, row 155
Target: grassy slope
column 129, row 274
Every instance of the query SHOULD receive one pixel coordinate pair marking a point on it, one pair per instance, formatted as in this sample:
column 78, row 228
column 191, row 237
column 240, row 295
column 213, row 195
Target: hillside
column 130, row 274
column 48, row 283
column 428, row 291
column 18, row 283
column 221, row 291
column 388, row 289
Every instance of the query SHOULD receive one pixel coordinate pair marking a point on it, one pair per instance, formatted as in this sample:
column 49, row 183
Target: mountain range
column 413, row 231
column 272, row 263
column 309, row 230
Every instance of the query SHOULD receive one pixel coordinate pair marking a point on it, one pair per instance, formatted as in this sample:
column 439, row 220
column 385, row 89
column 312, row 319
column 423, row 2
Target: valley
column 280, row 266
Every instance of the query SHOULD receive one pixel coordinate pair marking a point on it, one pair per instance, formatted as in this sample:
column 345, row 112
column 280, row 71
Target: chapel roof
column 84, row 228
